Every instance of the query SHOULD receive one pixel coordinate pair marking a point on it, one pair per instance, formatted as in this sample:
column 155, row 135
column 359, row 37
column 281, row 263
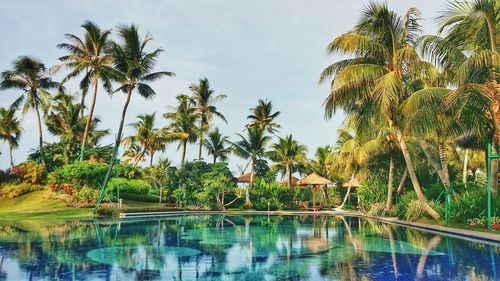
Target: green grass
column 34, row 206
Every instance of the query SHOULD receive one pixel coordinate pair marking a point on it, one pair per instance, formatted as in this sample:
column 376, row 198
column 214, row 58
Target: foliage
column 128, row 186
column 372, row 191
column 85, row 197
column 399, row 209
column 471, row 204
column 271, row 194
column 415, row 211
column 15, row 190
column 218, row 184
column 115, row 212
column 185, row 182
column 376, row 209
column 150, row 198
column 29, row 172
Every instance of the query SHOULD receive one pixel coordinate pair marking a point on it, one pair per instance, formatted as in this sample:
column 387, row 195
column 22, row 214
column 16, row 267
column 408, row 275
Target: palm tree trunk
column 10, row 154
column 201, row 146
column 89, row 119
column 82, row 100
column 444, row 164
column 390, row 188
column 348, row 192
column 413, row 177
column 437, row 166
column 117, row 143
column 152, row 155
column 402, row 182
column 184, row 143
column 40, row 139
column 466, row 163
column 289, row 175
column 215, row 158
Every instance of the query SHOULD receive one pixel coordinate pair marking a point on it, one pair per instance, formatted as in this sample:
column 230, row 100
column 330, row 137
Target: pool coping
column 471, row 235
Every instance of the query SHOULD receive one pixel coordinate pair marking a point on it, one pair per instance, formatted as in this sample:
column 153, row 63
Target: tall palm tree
column 133, row 153
column 263, row 116
column 251, row 147
column 183, row 120
column 30, row 75
column 10, row 129
column 88, row 56
column 133, row 69
column 204, row 99
column 287, row 153
column 322, row 162
column 374, row 80
column 216, row 145
column 467, row 48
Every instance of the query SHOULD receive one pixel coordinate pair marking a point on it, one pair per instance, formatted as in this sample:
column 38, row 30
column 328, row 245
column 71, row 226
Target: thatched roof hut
column 245, row 178
column 353, row 182
column 313, row 179
column 294, row 181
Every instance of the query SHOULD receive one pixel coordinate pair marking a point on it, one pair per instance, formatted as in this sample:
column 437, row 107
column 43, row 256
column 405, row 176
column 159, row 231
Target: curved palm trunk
column 402, row 182
column 436, row 165
column 183, row 153
column 252, row 169
column 117, row 144
column 413, row 177
column 139, row 157
column 444, row 164
column 151, row 158
column 289, row 175
column 390, row 188
column 466, row 163
column 40, row 139
column 89, row 119
column 348, row 192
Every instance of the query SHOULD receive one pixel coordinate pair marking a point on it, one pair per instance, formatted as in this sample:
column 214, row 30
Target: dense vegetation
column 419, row 109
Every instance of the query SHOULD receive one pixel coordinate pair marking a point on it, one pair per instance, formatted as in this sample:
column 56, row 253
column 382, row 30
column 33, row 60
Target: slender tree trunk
column 413, row 177
column 436, row 165
column 252, row 169
column 390, row 188
column 117, row 143
column 465, row 170
column 40, row 139
column 444, row 164
column 89, row 119
column 82, row 100
column 152, row 155
column 184, row 144
column 348, row 192
column 215, row 158
column 11, row 157
column 402, row 182
column 289, row 175
column 200, row 148
column 139, row 157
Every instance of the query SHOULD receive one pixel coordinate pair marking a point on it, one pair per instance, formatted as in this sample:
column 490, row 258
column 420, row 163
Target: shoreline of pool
column 471, row 235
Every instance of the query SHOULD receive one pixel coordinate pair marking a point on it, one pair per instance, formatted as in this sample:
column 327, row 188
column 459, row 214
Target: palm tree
column 204, row 99
column 374, row 80
column 215, row 145
column 29, row 75
column 133, row 153
column 251, row 147
column 88, row 56
column 287, row 153
column 262, row 116
column 133, row 69
column 467, row 49
column 322, row 162
column 10, row 129
column 183, row 120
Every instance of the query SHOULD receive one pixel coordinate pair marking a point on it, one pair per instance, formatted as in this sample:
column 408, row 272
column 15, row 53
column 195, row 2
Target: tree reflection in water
column 237, row 247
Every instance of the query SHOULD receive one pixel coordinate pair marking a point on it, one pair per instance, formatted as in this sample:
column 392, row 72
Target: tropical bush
column 150, row 198
column 85, row 197
column 15, row 190
column 269, row 194
column 399, row 210
column 219, row 188
column 471, row 204
column 185, row 182
column 28, row 172
column 415, row 211
column 371, row 192
column 127, row 186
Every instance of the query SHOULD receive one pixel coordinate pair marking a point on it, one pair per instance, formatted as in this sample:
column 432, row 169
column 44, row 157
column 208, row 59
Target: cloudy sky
column 269, row 49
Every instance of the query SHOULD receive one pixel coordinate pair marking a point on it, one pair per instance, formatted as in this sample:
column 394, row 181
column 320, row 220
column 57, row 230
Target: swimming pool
column 216, row 247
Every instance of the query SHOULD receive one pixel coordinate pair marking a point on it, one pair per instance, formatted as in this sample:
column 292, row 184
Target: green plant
column 415, row 211
column 15, row 190
column 85, row 197
column 471, row 204
column 128, row 186
column 219, row 184
column 399, row 209
column 376, row 209
column 29, row 172
column 371, row 192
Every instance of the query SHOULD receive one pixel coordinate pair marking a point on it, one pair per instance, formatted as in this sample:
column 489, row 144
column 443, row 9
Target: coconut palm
column 205, row 100
column 322, row 162
column 183, row 120
column 133, row 69
column 216, row 145
column 287, row 153
column 88, row 56
column 375, row 79
column 10, row 129
column 263, row 116
column 467, row 48
column 30, row 75
column 133, row 153
column 251, row 147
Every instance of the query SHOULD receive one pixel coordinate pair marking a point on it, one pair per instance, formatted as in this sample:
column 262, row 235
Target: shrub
column 269, row 194
column 140, row 197
column 376, row 209
column 415, row 211
column 15, row 190
column 471, row 204
column 28, row 172
column 128, row 186
column 370, row 192
column 219, row 188
column 85, row 197
column 399, row 209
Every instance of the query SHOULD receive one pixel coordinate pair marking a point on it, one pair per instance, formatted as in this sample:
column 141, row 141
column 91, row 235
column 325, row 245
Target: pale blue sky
column 247, row 49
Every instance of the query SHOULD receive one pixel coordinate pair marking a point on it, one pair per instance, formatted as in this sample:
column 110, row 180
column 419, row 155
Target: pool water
column 215, row 247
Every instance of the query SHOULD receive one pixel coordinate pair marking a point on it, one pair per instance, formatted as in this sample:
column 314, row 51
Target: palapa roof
column 245, row 177
column 294, row 181
column 313, row 179
column 353, row 181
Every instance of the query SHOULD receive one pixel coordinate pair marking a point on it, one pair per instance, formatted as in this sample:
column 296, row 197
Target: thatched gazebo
column 246, row 178
column 294, row 182
column 353, row 182
column 315, row 181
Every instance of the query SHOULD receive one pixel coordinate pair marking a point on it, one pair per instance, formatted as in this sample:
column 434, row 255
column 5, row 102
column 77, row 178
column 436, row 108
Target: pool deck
column 476, row 236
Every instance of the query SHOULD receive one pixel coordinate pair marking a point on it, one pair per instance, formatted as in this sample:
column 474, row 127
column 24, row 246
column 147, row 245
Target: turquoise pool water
column 237, row 248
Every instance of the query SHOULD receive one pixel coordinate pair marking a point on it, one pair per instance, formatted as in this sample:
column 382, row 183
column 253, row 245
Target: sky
column 248, row 50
